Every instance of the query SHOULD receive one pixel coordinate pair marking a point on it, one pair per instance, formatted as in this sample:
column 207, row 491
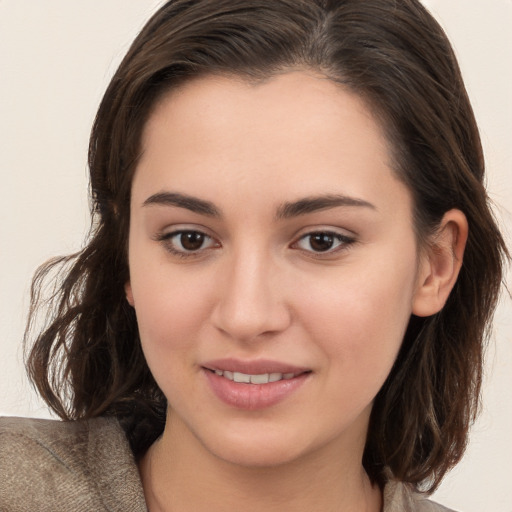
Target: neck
column 180, row 474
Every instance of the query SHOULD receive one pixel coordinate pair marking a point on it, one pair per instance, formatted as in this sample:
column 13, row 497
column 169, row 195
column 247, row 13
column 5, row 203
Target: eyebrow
column 193, row 204
column 317, row 203
column 285, row 211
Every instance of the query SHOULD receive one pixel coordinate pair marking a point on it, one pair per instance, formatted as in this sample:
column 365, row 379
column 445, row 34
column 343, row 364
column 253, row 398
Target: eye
column 187, row 242
column 323, row 242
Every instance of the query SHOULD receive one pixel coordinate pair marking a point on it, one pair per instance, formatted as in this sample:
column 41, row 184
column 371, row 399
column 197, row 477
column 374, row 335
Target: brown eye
column 323, row 242
column 187, row 243
column 191, row 240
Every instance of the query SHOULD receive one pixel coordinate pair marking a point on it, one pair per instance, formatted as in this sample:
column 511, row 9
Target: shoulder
column 401, row 497
column 75, row 465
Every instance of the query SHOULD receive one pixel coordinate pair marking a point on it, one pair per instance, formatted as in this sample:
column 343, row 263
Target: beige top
column 53, row 466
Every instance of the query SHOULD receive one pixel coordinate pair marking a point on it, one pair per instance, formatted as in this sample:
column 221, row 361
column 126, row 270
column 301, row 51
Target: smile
column 262, row 378
column 254, row 385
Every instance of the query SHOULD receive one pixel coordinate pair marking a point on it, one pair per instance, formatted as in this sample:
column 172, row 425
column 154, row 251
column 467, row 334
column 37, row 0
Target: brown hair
column 88, row 361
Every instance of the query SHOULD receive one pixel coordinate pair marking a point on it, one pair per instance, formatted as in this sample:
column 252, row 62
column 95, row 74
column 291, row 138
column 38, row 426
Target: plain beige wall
column 56, row 57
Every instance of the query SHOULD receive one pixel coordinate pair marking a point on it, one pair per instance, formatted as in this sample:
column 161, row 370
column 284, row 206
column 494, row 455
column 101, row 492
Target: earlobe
column 440, row 265
column 128, row 292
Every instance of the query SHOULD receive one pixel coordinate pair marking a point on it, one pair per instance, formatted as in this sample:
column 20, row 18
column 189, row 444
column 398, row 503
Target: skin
column 257, row 288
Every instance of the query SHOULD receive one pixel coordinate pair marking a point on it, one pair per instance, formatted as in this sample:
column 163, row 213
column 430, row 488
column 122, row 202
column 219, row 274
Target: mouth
column 260, row 378
column 254, row 385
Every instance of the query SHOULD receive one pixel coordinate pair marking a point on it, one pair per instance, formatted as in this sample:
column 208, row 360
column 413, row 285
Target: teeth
column 259, row 379
column 241, row 377
column 245, row 378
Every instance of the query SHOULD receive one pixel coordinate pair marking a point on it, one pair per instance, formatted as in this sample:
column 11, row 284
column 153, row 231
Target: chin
column 254, row 451
column 258, row 456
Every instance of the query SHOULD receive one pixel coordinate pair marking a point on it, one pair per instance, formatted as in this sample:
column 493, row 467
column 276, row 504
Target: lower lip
column 253, row 396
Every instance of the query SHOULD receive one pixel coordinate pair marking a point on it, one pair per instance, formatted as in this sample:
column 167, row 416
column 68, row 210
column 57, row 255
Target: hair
column 87, row 360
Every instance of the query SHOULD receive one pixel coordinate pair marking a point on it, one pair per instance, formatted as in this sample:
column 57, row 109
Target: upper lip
column 256, row 367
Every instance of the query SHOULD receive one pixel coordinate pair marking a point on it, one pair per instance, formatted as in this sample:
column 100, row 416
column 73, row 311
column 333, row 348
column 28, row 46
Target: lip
column 253, row 396
column 255, row 367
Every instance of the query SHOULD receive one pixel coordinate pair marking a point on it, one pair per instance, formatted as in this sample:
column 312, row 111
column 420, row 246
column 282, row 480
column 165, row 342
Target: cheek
column 359, row 316
column 169, row 306
column 169, row 311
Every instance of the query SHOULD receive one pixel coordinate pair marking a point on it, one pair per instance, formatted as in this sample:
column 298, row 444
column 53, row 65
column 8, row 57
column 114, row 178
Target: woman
column 284, row 297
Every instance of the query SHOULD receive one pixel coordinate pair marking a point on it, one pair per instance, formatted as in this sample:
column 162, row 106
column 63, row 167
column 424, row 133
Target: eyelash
column 343, row 243
column 166, row 239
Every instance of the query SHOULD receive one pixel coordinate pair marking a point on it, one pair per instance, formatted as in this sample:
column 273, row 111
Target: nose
column 252, row 299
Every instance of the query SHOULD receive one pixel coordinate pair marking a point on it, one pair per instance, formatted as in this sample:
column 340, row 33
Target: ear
column 440, row 264
column 129, row 293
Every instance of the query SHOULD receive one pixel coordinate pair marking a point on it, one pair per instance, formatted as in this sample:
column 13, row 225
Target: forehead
column 307, row 101
column 298, row 132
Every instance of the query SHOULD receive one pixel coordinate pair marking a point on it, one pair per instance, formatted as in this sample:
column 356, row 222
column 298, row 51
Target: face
column 273, row 265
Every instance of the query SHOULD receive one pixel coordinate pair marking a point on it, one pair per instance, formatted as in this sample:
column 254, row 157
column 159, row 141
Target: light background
column 56, row 57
